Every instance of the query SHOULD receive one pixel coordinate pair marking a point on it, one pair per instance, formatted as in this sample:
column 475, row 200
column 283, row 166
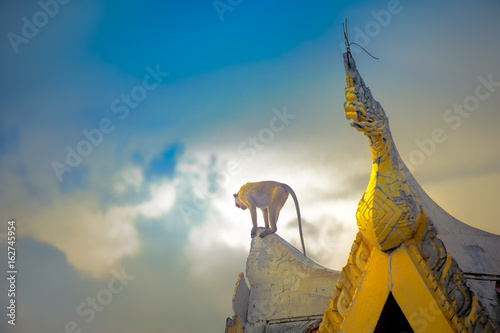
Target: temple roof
column 460, row 263
column 476, row 251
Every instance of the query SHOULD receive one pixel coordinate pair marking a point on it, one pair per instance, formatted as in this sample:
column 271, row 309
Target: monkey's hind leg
column 265, row 213
column 273, row 218
column 277, row 201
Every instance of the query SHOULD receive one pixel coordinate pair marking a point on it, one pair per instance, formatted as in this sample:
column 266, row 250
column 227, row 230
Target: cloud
column 92, row 240
column 93, row 236
column 44, row 277
column 95, row 240
column 76, row 181
column 96, row 237
column 164, row 164
column 163, row 198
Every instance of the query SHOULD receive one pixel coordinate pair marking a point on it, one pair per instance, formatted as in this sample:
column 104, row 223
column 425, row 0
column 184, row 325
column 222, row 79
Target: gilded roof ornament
column 389, row 212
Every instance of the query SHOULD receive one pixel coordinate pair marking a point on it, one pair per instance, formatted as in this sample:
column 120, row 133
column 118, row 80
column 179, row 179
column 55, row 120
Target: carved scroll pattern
column 443, row 275
column 346, row 285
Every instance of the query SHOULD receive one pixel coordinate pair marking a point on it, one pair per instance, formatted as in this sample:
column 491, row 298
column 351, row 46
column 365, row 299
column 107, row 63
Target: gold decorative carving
column 389, row 212
column 444, row 276
column 347, row 284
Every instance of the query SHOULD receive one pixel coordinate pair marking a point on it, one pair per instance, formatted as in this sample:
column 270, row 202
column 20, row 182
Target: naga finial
column 389, row 212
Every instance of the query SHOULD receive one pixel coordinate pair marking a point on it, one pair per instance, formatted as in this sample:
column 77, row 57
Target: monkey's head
column 238, row 203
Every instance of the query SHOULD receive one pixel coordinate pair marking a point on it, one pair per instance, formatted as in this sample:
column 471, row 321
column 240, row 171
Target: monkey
column 269, row 196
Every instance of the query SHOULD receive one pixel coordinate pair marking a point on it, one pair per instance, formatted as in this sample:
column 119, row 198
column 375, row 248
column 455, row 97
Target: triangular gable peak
column 409, row 255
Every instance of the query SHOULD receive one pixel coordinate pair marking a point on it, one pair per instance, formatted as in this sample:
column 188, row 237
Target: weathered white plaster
column 284, row 284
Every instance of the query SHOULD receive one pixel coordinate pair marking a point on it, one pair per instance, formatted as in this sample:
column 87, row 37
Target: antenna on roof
column 348, row 44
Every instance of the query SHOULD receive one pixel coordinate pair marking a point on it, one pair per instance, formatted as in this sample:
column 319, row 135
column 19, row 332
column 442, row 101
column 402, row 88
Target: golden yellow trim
column 443, row 276
column 347, row 284
column 369, row 299
column 418, row 300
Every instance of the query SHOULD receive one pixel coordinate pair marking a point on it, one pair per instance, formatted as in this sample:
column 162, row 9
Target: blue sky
column 126, row 127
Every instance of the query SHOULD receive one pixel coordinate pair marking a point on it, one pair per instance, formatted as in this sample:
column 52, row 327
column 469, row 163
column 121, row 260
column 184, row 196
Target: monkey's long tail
column 289, row 190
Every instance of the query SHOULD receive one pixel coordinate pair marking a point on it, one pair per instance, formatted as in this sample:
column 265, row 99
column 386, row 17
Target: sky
column 125, row 128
